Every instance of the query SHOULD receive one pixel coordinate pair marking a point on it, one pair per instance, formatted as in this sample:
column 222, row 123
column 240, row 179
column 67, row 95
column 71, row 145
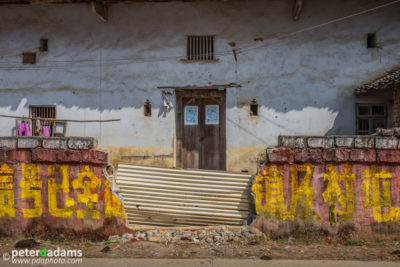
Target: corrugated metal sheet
column 169, row 196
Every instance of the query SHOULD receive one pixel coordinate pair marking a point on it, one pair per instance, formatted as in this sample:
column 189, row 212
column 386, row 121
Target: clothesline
column 47, row 119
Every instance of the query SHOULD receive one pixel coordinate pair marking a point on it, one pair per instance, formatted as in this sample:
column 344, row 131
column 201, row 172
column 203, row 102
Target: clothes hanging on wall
column 45, row 130
column 24, row 129
column 168, row 98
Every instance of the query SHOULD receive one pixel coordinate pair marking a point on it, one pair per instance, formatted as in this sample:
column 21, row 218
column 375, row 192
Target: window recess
column 41, row 126
column 200, row 48
column 369, row 117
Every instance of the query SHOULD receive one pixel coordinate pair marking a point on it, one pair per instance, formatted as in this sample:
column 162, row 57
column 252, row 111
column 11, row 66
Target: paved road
column 214, row 263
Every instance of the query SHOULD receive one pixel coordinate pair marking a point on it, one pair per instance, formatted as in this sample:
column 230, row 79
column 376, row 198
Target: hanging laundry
column 27, row 129
column 24, row 129
column 168, row 98
column 21, row 129
column 46, row 130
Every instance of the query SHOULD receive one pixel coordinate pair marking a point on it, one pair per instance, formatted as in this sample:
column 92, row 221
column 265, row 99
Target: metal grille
column 43, row 112
column 169, row 196
column 370, row 117
column 200, row 47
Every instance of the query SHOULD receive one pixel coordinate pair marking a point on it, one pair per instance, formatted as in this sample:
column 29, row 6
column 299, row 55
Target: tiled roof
column 388, row 81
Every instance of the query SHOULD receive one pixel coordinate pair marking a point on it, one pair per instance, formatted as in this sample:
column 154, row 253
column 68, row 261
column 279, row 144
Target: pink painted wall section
column 50, row 191
column 327, row 188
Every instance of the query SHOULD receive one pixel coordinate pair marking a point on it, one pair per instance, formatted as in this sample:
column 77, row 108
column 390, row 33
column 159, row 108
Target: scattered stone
column 254, row 242
column 214, row 235
column 217, row 238
column 26, row 243
column 178, row 232
column 114, row 238
column 105, row 249
column 291, row 240
column 265, row 257
column 396, row 252
column 209, row 239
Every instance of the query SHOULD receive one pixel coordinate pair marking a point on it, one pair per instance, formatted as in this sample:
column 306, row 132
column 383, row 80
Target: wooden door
column 200, row 129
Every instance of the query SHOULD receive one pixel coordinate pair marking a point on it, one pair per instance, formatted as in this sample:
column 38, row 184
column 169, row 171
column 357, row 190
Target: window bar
column 197, row 48
column 212, row 47
column 188, row 47
column 204, row 48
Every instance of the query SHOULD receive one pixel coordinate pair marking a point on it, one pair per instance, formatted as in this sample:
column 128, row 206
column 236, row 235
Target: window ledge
column 199, row 61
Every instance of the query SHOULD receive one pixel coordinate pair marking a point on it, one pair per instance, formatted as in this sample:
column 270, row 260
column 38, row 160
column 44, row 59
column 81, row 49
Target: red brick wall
column 330, row 182
column 51, row 186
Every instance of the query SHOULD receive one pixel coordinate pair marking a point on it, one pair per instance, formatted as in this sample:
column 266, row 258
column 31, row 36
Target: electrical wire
column 116, row 62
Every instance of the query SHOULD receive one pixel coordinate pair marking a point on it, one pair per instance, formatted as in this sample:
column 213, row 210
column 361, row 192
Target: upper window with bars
column 200, row 47
column 370, row 117
column 41, row 126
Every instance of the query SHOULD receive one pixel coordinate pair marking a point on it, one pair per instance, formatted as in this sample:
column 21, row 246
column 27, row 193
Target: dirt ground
column 322, row 249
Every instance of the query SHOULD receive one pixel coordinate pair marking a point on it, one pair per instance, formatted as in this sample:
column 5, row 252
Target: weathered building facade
column 263, row 73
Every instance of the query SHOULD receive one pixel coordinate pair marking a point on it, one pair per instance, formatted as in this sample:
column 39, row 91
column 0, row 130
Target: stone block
column 86, row 156
column 69, row 156
column 281, row 155
column 292, row 141
column 99, row 157
column 313, row 155
column 344, row 141
column 385, row 132
column 388, row 156
column 55, row 143
column 386, row 142
column 363, row 155
column 27, row 142
column 320, row 142
column 336, row 154
column 364, row 142
column 19, row 156
column 8, row 142
column 81, row 143
column 44, row 155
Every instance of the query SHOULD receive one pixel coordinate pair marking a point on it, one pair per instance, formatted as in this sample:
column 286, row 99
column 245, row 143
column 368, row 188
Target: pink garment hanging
column 46, row 130
column 24, row 129
column 21, row 129
column 27, row 129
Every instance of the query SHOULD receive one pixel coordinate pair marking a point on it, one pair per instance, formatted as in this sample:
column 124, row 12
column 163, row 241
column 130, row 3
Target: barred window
column 43, row 112
column 200, row 47
column 370, row 117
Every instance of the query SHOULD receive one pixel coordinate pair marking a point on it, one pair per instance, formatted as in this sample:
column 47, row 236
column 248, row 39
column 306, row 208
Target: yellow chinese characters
column 87, row 181
column 269, row 193
column 268, row 190
column 377, row 181
column 31, row 185
column 61, row 172
column 301, row 195
column 113, row 206
column 6, row 191
column 333, row 193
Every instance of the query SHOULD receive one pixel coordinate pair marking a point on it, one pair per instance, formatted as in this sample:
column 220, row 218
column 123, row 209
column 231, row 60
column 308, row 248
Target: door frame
column 212, row 92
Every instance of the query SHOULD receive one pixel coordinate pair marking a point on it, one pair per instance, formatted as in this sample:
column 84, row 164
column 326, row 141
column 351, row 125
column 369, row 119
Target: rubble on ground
column 212, row 235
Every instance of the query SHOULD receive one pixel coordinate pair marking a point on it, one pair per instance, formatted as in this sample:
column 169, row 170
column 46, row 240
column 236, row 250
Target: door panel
column 201, row 145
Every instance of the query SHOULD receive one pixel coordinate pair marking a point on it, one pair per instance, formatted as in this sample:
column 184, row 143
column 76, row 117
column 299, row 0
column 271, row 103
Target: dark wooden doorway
column 201, row 129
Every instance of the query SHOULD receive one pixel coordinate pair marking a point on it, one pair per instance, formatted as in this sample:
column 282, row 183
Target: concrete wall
column 95, row 70
column 49, row 186
column 330, row 183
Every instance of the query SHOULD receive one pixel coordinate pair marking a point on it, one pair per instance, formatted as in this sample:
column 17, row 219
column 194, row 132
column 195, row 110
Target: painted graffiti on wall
column 336, row 186
column 62, row 200
column 379, row 183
